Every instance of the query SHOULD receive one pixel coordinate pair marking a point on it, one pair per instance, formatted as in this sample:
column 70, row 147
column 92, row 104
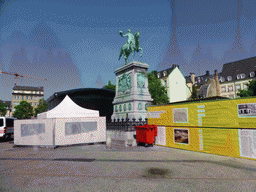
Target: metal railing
column 125, row 124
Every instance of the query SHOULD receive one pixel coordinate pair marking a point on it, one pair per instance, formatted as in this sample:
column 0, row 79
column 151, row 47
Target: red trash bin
column 145, row 134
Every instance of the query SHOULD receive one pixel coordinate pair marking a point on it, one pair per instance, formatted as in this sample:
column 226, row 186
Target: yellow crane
column 17, row 75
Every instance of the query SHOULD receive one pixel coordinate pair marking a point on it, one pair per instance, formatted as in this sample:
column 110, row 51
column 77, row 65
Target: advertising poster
column 247, row 143
column 180, row 115
column 181, row 136
column 246, row 110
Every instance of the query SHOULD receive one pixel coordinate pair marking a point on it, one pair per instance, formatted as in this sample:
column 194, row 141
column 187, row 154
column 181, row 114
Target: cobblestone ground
column 95, row 168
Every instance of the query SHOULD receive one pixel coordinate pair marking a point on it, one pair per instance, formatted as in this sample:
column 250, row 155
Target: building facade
column 235, row 76
column 175, row 84
column 24, row 93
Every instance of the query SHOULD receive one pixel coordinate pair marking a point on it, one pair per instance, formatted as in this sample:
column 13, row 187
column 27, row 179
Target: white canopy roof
column 67, row 108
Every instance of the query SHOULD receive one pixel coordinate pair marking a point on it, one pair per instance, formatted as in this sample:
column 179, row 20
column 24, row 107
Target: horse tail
column 121, row 53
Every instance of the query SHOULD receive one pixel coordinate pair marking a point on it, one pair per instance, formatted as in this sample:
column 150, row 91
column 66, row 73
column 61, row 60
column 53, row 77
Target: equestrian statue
column 132, row 45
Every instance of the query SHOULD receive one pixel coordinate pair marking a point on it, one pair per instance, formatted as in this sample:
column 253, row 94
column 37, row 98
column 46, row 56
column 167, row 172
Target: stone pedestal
column 132, row 94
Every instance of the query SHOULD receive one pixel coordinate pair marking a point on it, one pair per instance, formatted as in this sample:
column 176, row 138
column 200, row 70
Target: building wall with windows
column 236, row 76
column 24, row 93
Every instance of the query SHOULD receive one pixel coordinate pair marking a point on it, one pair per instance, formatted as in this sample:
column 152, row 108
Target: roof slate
column 235, row 68
column 28, row 88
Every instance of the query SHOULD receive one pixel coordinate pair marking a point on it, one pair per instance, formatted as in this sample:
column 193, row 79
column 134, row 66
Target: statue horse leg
column 133, row 54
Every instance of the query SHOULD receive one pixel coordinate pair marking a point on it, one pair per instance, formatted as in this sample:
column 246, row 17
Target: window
column 252, row 74
column 158, row 75
column 223, row 89
column 165, row 83
column 245, row 86
column 198, row 80
column 222, row 79
column 229, row 78
column 230, row 88
column 164, row 73
column 238, row 86
column 241, row 76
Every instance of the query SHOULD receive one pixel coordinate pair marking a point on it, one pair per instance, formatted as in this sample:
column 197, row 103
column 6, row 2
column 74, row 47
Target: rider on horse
column 130, row 36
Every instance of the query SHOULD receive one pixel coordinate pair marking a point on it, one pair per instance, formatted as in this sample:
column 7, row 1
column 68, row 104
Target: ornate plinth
column 132, row 94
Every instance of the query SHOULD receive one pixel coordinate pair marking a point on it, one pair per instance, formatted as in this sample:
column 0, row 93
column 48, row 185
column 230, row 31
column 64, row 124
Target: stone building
column 237, row 75
column 175, row 84
column 25, row 93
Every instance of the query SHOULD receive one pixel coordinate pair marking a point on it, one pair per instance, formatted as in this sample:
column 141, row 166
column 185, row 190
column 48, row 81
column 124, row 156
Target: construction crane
column 17, row 75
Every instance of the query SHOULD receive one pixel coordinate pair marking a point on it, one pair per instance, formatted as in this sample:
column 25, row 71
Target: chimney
column 207, row 73
column 192, row 75
column 217, row 82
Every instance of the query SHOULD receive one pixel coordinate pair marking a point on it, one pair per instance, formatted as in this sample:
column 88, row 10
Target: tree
column 250, row 91
column 23, row 111
column 110, row 86
column 42, row 107
column 156, row 89
column 3, row 109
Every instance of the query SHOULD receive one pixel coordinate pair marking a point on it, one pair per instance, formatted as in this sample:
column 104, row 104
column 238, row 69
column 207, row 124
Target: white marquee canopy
column 66, row 109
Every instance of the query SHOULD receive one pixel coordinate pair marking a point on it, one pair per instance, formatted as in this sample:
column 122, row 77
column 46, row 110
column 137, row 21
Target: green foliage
column 3, row 109
column 250, row 91
column 23, row 111
column 42, row 107
column 110, row 86
column 156, row 89
column 194, row 95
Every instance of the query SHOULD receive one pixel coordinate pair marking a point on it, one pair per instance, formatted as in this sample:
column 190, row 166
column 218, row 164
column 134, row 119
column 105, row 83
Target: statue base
column 132, row 94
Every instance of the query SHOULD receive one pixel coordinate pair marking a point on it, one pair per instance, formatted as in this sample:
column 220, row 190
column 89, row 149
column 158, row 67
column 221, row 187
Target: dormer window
column 198, row 80
column 222, row 79
column 158, row 75
column 252, row 74
column 164, row 73
column 229, row 78
column 241, row 76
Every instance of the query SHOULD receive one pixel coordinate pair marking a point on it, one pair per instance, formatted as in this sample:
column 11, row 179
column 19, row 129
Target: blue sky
column 76, row 44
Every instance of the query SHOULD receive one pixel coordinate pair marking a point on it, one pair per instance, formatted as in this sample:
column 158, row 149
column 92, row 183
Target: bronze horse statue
column 130, row 46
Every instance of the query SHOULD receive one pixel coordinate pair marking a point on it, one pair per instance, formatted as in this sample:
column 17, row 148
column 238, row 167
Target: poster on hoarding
column 161, row 135
column 246, row 110
column 181, row 136
column 180, row 115
column 247, row 143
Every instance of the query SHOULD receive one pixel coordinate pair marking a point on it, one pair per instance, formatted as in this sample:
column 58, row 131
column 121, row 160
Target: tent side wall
column 34, row 132
column 76, row 130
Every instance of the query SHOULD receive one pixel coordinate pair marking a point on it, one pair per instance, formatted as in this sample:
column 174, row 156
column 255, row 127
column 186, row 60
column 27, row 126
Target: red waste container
column 146, row 134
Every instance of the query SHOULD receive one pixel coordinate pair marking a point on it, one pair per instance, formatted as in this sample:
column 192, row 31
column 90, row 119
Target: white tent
column 66, row 124
column 66, row 109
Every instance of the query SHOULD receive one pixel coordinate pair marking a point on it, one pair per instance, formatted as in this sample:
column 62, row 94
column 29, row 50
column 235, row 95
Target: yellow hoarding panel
column 230, row 113
column 221, row 141
column 183, row 138
column 209, row 140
